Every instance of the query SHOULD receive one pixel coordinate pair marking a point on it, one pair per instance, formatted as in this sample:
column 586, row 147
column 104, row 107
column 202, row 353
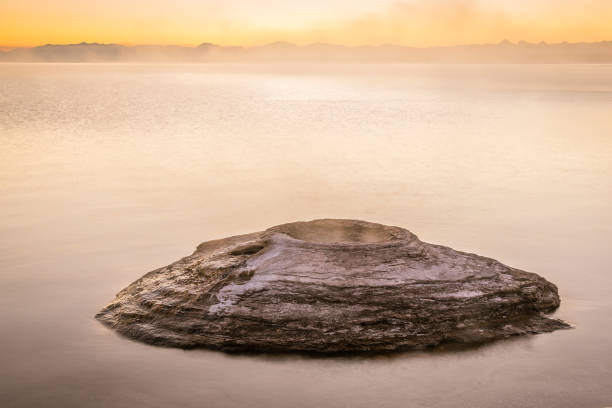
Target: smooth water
column 109, row 171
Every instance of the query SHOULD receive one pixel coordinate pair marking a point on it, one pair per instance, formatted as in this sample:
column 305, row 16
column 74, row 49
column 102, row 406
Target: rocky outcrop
column 331, row 286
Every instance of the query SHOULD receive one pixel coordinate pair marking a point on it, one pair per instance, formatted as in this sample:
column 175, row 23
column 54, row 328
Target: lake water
column 109, row 171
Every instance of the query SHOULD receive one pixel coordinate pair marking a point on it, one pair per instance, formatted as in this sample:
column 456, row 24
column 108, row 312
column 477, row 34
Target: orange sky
column 253, row 22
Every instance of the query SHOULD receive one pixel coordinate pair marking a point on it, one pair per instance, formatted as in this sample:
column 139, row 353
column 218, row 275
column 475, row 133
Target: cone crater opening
column 341, row 232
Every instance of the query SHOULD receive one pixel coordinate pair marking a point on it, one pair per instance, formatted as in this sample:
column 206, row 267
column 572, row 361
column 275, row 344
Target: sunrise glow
column 27, row 23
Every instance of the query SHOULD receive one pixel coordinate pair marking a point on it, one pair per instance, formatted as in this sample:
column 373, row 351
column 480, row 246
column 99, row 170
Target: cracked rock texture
column 330, row 286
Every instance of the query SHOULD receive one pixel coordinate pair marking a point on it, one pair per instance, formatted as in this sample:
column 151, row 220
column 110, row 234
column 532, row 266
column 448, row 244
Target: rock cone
column 331, row 286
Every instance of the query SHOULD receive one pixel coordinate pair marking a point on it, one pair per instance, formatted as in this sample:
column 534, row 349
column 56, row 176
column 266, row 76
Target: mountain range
column 503, row 52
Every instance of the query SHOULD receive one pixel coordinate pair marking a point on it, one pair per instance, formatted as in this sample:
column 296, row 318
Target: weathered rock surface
column 331, row 286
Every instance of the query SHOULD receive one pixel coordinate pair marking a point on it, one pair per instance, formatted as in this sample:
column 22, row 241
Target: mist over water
column 110, row 171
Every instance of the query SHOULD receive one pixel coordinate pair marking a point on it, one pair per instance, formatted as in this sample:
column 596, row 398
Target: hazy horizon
column 501, row 52
column 281, row 41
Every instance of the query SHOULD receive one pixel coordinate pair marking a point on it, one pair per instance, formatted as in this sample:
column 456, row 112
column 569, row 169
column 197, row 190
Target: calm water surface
column 109, row 171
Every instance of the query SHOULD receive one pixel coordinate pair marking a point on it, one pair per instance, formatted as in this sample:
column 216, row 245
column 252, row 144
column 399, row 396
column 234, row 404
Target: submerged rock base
column 331, row 286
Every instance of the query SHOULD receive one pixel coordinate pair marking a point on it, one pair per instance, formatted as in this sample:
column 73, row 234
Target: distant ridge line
column 502, row 52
